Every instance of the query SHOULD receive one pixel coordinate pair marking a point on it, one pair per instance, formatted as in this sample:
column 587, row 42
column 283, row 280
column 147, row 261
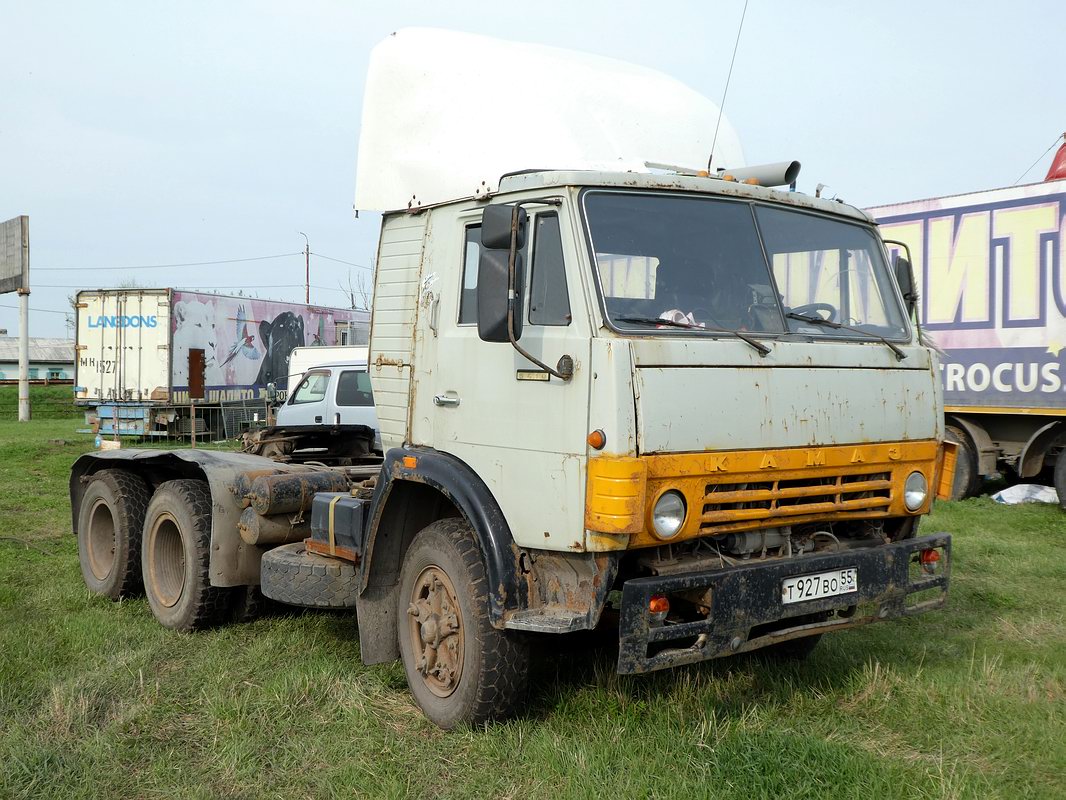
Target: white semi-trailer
column 147, row 357
column 991, row 267
column 684, row 405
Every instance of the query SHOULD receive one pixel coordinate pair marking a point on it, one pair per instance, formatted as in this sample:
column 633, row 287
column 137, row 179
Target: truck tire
column 459, row 668
column 291, row 575
column 1060, row 478
column 175, row 557
column 246, row 604
column 110, row 521
column 967, row 478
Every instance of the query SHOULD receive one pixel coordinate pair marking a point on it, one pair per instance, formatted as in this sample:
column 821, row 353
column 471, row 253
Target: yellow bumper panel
column 745, row 490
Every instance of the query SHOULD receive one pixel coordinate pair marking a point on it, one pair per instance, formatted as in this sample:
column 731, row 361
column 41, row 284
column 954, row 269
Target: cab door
column 521, row 429
column 307, row 405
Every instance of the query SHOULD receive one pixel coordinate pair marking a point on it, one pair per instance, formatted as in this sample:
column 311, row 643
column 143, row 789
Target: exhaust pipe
column 782, row 173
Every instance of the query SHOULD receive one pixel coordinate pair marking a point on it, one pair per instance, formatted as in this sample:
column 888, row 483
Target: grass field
column 97, row 700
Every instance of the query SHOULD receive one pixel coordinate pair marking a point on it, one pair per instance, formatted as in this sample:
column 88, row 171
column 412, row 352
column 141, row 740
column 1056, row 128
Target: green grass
column 97, row 700
column 46, row 402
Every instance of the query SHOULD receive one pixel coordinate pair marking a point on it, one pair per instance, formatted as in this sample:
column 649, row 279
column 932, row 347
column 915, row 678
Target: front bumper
column 743, row 598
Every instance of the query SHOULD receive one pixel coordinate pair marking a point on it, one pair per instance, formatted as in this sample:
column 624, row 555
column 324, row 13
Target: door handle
column 445, row 400
column 318, row 419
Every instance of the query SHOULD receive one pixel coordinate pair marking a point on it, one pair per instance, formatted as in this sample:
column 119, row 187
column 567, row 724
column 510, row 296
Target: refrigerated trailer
column 991, row 267
column 146, row 358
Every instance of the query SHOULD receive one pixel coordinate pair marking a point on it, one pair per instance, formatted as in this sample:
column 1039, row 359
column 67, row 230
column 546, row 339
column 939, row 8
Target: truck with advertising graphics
column 993, row 286
column 679, row 403
column 146, row 356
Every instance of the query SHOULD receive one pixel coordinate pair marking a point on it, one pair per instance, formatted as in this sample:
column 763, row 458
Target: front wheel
column 459, row 668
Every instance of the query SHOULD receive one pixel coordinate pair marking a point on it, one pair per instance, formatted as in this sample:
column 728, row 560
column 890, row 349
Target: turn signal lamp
column 597, row 440
column 930, row 560
column 658, row 608
column 410, row 462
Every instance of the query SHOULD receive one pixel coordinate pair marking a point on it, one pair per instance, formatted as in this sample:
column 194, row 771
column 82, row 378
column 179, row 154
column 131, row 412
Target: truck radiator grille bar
column 784, row 500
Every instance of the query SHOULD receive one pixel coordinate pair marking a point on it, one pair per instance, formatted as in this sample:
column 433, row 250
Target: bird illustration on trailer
column 246, row 342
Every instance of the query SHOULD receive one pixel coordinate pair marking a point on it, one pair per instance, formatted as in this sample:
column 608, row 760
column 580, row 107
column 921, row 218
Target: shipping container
column 145, row 356
column 992, row 270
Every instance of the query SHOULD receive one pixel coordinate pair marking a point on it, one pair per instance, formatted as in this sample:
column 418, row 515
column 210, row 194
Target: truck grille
column 788, row 500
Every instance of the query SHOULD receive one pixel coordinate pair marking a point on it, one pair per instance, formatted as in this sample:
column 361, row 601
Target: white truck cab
column 331, row 394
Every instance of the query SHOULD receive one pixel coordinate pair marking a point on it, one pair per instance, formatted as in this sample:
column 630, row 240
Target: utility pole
column 24, row 352
column 15, row 277
column 307, row 268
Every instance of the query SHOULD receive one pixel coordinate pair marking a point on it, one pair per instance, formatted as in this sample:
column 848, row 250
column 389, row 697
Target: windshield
column 672, row 264
column 830, row 270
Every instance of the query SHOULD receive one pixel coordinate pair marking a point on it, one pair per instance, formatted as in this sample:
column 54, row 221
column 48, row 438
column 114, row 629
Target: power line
column 1038, row 160
column 42, row 310
column 342, row 261
column 169, row 266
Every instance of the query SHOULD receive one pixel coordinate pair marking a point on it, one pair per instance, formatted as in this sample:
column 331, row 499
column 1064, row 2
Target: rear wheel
column 460, row 669
column 967, row 477
column 110, row 520
column 175, row 557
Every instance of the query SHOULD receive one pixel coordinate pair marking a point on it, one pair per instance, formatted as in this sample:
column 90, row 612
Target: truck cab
column 331, row 394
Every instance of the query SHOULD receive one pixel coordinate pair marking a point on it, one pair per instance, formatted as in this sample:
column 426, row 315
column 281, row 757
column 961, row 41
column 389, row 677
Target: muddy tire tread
column 291, row 575
column 133, row 496
column 504, row 655
column 209, row 603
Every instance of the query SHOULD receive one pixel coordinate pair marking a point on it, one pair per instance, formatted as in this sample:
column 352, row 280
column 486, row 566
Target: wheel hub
column 436, row 631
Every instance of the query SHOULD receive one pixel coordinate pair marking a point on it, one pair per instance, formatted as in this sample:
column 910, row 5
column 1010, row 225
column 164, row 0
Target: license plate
column 822, row 584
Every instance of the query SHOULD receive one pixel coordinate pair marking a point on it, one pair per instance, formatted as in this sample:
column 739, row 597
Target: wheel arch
column 419, row 486
column 1031, row 458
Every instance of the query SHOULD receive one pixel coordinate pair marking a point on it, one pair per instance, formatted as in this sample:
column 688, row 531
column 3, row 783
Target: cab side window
column 549, row 301
column 468, row 293
column 353, row 389
column 311, row 389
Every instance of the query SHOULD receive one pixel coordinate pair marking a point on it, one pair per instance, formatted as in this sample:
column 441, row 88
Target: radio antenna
column 721, row 108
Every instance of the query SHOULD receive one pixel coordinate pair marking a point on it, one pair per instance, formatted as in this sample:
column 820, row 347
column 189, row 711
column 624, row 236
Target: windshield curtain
column 701, row 263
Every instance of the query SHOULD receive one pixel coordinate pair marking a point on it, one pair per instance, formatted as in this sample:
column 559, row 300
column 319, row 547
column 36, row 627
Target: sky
column 140, row 134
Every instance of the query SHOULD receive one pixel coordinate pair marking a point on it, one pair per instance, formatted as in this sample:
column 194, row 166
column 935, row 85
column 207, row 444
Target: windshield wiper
column 828, row 323
column 762, row 349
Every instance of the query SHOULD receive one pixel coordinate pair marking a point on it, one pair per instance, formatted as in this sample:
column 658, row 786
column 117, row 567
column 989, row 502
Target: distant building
column 50, row 359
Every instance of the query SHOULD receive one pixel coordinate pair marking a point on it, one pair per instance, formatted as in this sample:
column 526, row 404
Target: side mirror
column 496, row 227
column 905, row 278
column 493, row 291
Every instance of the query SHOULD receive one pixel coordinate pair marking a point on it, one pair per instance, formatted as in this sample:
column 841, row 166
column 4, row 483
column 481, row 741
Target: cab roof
column 560, row 179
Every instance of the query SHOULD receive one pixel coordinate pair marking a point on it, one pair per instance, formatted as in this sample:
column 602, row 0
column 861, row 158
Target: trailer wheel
column 459, row 668
column 967, row 478
column 175, row 556
column 1060, row 478
column 110, row 520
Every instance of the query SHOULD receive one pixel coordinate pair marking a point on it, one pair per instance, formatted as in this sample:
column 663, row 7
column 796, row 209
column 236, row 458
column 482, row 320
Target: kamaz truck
column 680, row 404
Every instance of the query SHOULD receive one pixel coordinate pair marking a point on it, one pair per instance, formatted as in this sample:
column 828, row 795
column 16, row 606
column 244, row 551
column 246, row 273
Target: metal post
column 307, row 268
column 24, row 355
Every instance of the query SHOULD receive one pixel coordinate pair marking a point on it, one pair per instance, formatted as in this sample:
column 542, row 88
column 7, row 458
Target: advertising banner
column 992, row 272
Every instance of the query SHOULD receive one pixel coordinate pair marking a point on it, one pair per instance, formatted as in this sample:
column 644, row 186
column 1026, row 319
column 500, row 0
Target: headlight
column 915, row 491
column 668, row 515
